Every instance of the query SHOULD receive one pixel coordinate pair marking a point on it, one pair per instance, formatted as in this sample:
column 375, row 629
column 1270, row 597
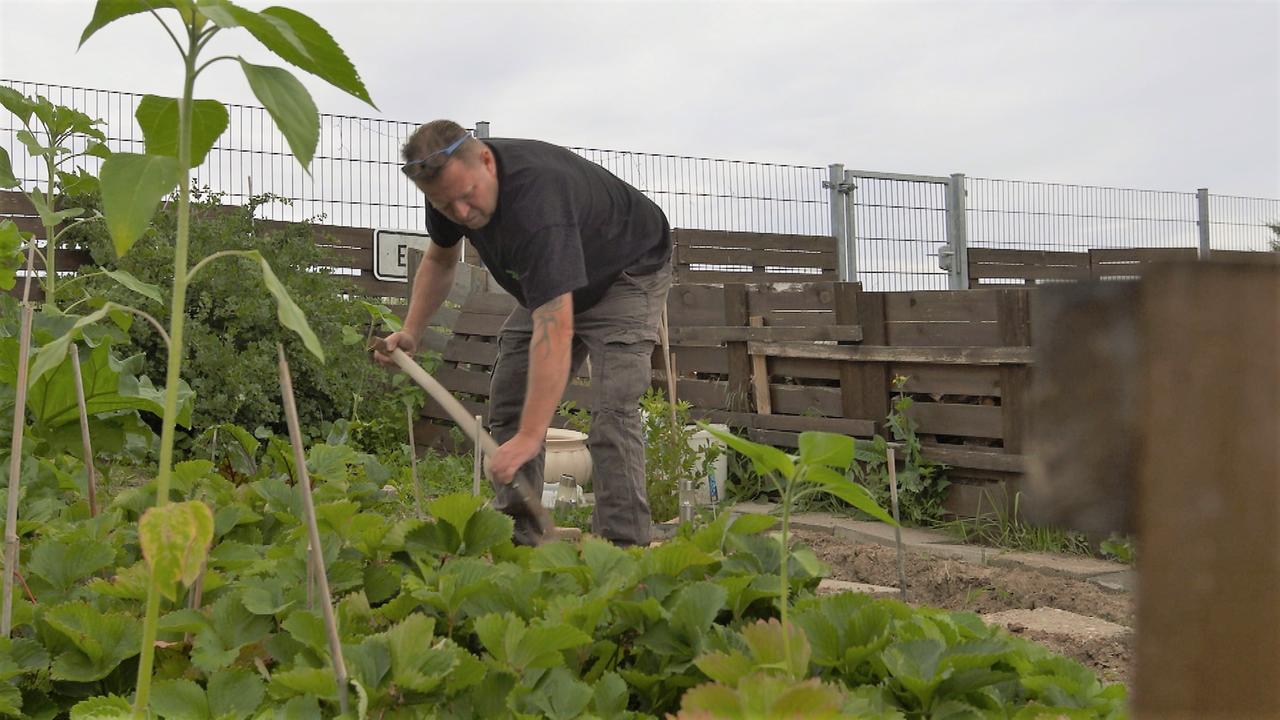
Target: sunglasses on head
column 428, row 167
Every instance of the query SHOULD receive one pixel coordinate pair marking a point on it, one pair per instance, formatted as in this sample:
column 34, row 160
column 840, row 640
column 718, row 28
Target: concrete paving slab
column 1125, row 580
column 835, row 587
column 881, row 534
column 1057, row 622
column 1073, row 565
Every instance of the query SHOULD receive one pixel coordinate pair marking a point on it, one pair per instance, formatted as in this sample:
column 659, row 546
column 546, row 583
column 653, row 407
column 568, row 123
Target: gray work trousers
column 618, row 334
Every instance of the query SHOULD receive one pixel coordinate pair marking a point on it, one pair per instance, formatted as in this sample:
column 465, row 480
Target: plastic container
column 711, row 489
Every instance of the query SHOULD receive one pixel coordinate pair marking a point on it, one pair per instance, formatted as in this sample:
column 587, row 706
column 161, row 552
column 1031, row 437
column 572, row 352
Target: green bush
column 232, row 330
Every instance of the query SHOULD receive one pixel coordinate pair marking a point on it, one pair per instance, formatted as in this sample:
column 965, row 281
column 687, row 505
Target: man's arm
column 549, row 359
column 431, row 285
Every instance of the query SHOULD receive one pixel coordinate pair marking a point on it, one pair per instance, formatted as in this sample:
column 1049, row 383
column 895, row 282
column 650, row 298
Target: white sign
column 391, row 252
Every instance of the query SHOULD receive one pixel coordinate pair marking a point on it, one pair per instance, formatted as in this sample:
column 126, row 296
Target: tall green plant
column 822, row 466
column 178, row 132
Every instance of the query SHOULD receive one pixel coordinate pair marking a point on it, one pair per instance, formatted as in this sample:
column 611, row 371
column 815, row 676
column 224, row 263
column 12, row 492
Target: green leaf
column 78, row 183
column 696, row 607
column 109, row 385
column 317, row 682
column 752, row 524
column 321, row 56
column 486, row 529
column 234, row 693
column 455, row 509
column 132, row 186
column 824, row 448
column 289, row 104
column 175, row 541
column 725, row 668
column 102, row 641
column 307, row 628
column 765, row 638
column 7, row 178
column 849, row 491
column 288, row 312
column 126, row 279
column 48, row 216
column 158, row 118
column 611, row 695
column 180, row 700
column 230, row 628
column 915, row 663
column 765, row 458
column 562, row 697
column 11, row 258
column 52, row 354
column 109, row 707
column 64, row 562
column 108, row 11
column 265, row 595
column 16, row 103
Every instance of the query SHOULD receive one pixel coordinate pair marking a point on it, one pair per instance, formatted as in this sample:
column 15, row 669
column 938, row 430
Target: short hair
column 434, row 136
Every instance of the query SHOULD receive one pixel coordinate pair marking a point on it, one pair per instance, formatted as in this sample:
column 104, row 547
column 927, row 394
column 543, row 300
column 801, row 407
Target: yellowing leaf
column 175, row 540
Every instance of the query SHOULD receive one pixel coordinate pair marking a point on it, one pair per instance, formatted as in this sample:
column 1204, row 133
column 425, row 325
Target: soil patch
column 958, row 585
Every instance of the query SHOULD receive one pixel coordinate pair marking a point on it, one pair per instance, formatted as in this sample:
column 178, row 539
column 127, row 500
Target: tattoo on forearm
column 546, row 323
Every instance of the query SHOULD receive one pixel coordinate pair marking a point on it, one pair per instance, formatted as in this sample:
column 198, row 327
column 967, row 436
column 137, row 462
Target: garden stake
column 482, row 439
column 475, row 479
column 891, row 461
column 313, row 530
column 90, row 475
column 413, row 461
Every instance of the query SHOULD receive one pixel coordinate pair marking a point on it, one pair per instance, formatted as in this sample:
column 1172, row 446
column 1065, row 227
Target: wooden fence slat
column 473, row 324
column 982, row 421
column 983, row 381
column 735, row 315
column 471, row 351
column 713, row 336
column 756, row 241
column 895, row 354
column 695, row 304
column 805, row 400
column 912, row 334
column 13, row 202
column 1028, row 257
column 941, row 306
column 684, row 275
column 994, row 460
column 765, row 258
column 1015, row 331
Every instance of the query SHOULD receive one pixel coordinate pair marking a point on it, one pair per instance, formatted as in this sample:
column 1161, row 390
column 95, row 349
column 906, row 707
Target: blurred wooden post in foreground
column 1156, row 410
column 1208, row 493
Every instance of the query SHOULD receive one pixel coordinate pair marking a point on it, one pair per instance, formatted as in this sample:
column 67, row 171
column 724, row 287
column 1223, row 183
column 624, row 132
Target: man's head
column 456, row 172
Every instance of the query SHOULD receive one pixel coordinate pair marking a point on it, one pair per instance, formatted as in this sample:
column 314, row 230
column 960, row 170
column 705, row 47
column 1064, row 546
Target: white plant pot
column 567, row 454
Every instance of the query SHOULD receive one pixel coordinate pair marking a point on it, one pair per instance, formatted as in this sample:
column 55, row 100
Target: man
column 586, row 257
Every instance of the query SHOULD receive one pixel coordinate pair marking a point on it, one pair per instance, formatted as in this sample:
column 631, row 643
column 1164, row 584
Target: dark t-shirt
column 563, row 224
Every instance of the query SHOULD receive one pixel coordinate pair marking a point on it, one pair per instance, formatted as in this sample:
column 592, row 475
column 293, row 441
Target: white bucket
column 712, row 488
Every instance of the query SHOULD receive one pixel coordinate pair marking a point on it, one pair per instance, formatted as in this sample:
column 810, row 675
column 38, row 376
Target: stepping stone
column 1057, row 622
column 834, row 587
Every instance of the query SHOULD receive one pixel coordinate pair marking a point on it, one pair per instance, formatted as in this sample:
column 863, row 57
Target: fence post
column 1202, row 219
column 954, row 258
column 839, row 230
column 482, row 128
column 850, row 228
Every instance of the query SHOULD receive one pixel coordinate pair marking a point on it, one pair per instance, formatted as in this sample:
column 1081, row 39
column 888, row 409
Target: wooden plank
column 1015, row 331
column 357, row 258
column 941, row 306
column 938, row 355
column 66, row 259
column 433, row 410
column 776, row 438
column 983, row 421
column 790, row 423
column 1140, row 255
column 13, row 202
column 704, row 394
column 684, row 237
column 1208, row 502
column 1028, row 257
column 871, row 386
column 458, row 380
column 686, row 275
column 846, row 311
column 761, row 258
column 760, row 376
column 995, row 460
column 911, row 334
column 474, row 324
column 977, row 499
column 987, row 271
column 369, row 285
column 806, row 400
column 982, row 381
column 696, row 359
column 28, row 225
column 735, row 314
column 471, row 351
column 489, row 303
column 805, row 369
column 714, row 336
column 694, row 304
column 1252, row 257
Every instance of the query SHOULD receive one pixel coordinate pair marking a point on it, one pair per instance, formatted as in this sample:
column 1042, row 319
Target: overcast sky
column 1170, row 95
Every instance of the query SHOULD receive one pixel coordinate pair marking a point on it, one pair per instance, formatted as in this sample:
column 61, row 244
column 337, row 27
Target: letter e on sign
column 391, row 252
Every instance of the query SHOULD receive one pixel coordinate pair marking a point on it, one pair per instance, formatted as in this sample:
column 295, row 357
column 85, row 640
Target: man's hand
column 382, row 349
column 512, row 455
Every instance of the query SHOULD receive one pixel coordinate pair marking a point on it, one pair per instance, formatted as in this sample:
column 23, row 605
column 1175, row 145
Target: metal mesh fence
column 900, row 221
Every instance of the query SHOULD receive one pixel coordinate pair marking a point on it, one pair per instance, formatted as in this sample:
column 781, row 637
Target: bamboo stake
column 891, row 461
column 463, row 420
column 413, row 461
column 15, row 465
column 15, row 449
column 313, row 530
column 90, row 475
column 475, row 479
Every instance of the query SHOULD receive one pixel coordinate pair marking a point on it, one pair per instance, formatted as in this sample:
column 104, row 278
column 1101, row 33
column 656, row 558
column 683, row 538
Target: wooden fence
column 778, row 359
column 713, row 256
column 990, row 267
